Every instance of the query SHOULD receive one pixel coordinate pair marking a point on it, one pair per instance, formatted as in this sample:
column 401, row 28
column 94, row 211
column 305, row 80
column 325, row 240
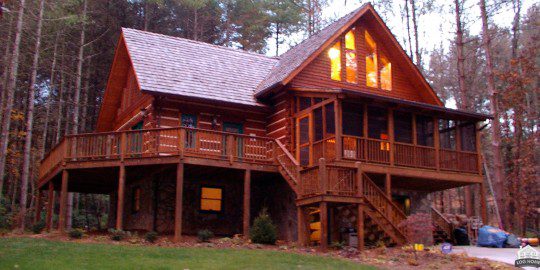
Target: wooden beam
column 301, row 226
column 388, row 185
column 121, row 197
column 63, row 202
column 436, row 143
column 247, row 198
column 360, row 227
column 39, row 202
column 324, row 226
column 179, row 202
column 50, row 207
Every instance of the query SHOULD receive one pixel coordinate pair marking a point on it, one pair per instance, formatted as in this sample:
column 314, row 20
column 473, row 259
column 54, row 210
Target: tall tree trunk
column 277, row 39
column 415, row 30
column 60, row 105
column 146, row 16
column 10, row 92
column 515, row 27
column 25, row 175
column 408, row 17
column 498, row 172
column 5, row 73
column 49, row 100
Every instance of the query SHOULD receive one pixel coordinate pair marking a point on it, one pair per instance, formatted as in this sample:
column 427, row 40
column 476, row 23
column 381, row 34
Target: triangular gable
column 295, row 60
column 112, row 96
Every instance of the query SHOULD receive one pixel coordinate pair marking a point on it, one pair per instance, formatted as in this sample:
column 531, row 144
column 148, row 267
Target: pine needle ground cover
column 24, row 253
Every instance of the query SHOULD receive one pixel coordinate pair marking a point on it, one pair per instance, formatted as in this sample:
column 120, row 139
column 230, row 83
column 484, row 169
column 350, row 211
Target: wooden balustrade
column 341, row 181
column 159, row 142
column 287, row 161
column 324, row 148
column 442, row 222
column 408, row 155
column 309, row 181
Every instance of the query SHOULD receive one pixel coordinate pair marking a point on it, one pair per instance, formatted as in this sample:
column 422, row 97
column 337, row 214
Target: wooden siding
column 317, row 73
column 279, row 121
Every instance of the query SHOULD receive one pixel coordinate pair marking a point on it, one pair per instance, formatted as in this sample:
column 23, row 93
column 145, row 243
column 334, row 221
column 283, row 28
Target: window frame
column 379, row 52
column 208, row 211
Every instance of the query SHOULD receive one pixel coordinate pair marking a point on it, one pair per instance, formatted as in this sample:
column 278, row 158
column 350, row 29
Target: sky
column 435, row 28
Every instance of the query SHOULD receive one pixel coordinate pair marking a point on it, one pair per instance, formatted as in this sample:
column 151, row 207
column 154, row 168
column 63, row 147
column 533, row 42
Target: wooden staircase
column 383, row 213
column 442, row 227
column 288, row 166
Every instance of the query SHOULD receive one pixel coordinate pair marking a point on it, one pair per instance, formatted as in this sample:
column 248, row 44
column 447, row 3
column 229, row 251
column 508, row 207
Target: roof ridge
column 202, row 43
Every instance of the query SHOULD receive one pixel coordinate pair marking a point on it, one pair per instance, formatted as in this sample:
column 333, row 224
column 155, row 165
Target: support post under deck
column 247, row 198
column 63, row 202
column 179, row 205
column 121, row 197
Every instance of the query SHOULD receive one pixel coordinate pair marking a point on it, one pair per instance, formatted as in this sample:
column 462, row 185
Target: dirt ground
column 381, row 257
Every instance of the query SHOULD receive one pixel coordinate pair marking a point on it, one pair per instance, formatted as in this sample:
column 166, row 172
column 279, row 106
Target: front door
column 136, row 139
column 303, row 140
column 189, row 121
column 234, row 128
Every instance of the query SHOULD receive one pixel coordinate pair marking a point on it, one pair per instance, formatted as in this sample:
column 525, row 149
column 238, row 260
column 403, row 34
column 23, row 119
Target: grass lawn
column 25, row 253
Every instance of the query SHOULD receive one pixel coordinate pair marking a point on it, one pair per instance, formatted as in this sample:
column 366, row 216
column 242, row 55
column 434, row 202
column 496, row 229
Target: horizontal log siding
column 279, row 124
column 317, row 73
column 170, row 114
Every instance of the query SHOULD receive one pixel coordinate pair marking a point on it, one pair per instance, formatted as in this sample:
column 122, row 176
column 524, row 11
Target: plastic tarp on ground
column 491, row 237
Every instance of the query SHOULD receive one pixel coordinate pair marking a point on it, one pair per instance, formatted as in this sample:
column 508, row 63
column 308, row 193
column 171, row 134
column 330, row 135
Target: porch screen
column 377, row 123
column 447, row 133
column 403, row 127
column 468, row 137
column 330, row 119
column 318, row 124
column 424, row 130
column 353, row 119
column 211, row 199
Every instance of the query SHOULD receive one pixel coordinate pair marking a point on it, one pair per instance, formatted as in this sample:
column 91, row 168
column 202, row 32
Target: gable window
column 350, row 57
column 211, row 199
column 371, row 61
column 378, row 66
column 335, row 61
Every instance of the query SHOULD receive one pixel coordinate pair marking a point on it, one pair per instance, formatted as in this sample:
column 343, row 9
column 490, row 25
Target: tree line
column 57, row 55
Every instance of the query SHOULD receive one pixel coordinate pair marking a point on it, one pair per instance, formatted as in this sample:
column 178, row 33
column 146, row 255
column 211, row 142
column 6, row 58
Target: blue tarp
column 491, row 237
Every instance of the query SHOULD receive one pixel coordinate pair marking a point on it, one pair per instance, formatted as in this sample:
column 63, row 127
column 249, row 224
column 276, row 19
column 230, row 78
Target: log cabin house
column 340, row 134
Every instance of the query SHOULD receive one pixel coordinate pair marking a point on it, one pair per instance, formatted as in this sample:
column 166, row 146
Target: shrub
column 38, row 227
column 263, row 230
column 205, row 235
column 151, row 236
column 76, row 233
column 118, row 235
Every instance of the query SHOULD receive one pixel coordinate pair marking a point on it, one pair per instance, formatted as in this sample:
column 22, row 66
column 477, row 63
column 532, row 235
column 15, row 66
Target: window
column 211, row 199
column 386, row 73
column 335, row 61
column 304, row 103
column 318, row 124
column 330, row 119
column 136, row 197
column 376, row 71
column 371, row 61
column 424, row 130
column 350, row 57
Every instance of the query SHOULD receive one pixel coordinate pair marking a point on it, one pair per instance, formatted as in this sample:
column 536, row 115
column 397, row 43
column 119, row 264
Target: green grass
column 25, row 253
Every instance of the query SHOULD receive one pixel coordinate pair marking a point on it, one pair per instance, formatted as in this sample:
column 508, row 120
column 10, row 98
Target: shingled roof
column 178, row 66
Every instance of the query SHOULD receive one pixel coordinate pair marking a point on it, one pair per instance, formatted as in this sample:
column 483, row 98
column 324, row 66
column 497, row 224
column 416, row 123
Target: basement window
column 335, row 61
column 211, row 199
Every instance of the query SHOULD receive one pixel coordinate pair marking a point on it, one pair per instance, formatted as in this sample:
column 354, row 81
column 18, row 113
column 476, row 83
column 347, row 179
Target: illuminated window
column 371, row 61
column 385, row 146
column 335, row 61
column 350, row 57
column 136, row 199
column 211, row 199
column 386, row 73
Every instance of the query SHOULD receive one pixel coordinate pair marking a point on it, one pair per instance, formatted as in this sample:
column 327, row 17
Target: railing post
column 323, row 176
column 359, row 180
column 230, row 148
column 181, row 142
column 436, row 143
column 339, row 129
column 123, row 146
column 391, row 135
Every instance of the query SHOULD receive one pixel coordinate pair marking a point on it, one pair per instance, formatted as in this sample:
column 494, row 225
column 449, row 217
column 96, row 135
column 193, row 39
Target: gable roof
column 183, row 67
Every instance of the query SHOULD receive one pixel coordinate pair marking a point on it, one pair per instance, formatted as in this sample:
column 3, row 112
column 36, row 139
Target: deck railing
column 159, row 143
column 408, row 155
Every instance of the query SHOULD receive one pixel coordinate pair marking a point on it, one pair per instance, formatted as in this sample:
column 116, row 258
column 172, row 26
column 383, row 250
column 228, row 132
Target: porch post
column 388, row 185
column 63, row 202
column 50, row 207
column 37, row 213
column 178, row 205
column 483, row 203
column 301, row 226
column 391, row 134
column 121, row 196
column 360, row 207
column 436, row 143
column 339, row 129
column 247, row 197
column 324, row 226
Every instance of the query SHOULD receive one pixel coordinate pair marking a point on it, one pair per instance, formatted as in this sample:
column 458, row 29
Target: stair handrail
column 439, row 219
column 394, row 209
column 294, row 172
